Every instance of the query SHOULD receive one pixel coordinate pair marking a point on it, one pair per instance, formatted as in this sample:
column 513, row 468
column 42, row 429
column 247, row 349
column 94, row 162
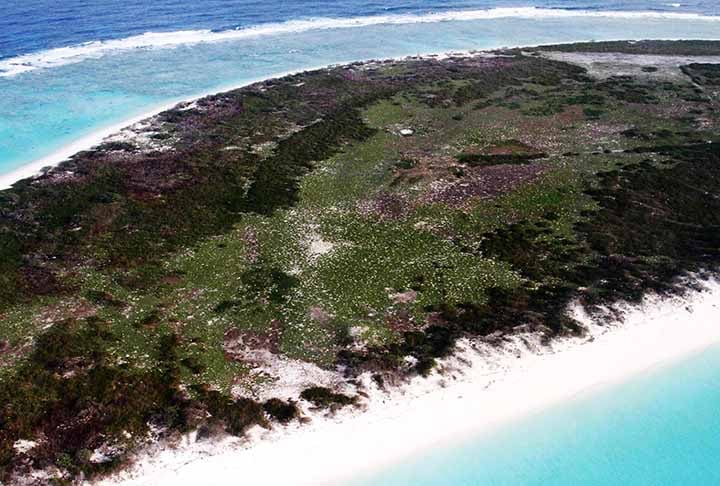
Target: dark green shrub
column 280, row 410
column 325, row 398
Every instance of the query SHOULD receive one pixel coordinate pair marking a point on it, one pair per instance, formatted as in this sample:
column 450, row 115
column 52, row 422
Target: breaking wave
column 96, row 49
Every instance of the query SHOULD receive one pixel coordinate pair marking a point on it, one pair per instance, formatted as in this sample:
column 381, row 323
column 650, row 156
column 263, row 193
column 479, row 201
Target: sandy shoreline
column 481, row 388
column 34, row 168
column 95, row 138
column 92, row 140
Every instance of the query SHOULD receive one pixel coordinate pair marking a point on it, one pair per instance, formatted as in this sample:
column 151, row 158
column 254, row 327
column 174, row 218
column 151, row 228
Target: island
column 258, row 256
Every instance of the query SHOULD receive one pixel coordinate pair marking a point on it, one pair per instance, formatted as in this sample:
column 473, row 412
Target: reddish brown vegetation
column 483, row 183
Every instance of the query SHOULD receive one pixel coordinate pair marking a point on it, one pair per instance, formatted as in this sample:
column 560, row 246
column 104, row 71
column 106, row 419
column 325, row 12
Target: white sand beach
column 35, row 167
column 481, row 388
column 94, row 139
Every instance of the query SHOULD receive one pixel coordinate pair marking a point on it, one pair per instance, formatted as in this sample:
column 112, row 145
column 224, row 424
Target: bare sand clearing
column 481, row 388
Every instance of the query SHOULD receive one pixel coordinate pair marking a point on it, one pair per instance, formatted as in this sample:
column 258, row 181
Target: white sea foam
column 72, row 54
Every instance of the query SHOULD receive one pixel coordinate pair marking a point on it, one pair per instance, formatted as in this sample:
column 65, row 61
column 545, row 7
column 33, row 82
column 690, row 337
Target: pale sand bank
column 482, row 388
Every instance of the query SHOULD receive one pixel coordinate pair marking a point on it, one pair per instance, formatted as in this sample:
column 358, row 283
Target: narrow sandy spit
column 479, row 389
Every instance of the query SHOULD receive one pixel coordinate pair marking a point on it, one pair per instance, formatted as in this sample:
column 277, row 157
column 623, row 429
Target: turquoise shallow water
column 661, row 428
column 45, row 109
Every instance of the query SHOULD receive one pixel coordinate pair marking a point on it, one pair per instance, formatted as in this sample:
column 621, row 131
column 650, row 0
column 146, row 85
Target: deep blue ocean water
column 70, row 68
column 34, row 25
column 661, row 428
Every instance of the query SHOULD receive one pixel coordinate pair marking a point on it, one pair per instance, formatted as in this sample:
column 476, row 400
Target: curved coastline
column 87, row 142
column 95, row 138
column 92, row 140
column 485, row 390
